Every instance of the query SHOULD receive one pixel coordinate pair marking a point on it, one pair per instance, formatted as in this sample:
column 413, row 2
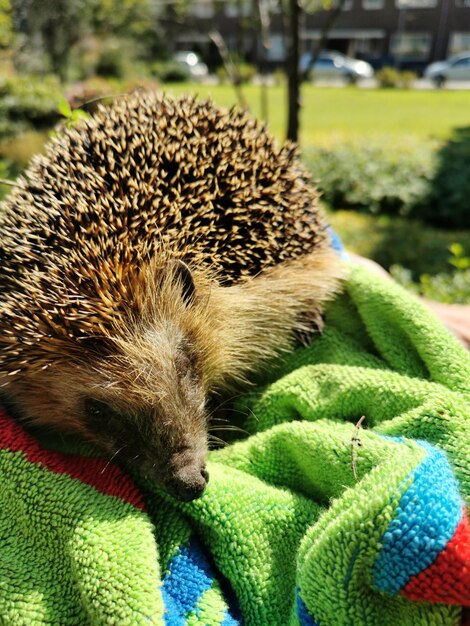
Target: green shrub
column 396, row 240
column 113, row 58
column 246, row 72
column 449, row 201
column 389, row 77
column 28, row 102
column 407, row 79
column 375, row 177
column 450, row 287
column 416, row 255
column 170, row 71
column 419, row 179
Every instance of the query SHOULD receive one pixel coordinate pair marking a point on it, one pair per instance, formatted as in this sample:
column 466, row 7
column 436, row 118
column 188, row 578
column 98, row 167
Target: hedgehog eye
column 95, row 409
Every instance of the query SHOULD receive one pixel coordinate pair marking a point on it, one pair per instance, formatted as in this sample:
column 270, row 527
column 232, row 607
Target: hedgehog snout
column 189, row 482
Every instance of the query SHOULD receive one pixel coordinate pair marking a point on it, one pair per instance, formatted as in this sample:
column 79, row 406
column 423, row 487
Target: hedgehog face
column 147, row 408
column 147, row 414
column 158, row 427
column 142, row 400
column 155, row 422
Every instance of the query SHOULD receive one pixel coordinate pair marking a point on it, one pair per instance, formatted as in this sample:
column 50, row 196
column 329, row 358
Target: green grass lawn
column 332, row 114
column 329, row 115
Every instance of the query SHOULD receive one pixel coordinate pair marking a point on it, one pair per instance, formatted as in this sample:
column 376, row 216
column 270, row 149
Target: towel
column 344, row 505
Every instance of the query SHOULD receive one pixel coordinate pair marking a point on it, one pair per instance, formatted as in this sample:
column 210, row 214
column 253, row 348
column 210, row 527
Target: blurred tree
column 128, row 18
column 169, row 18
column 292, row 69
column 293, row 12
column 53, row 26
column 6, row 24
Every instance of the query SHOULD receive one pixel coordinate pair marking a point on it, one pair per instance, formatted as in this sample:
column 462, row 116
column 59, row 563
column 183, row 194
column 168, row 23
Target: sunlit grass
column 331, row 115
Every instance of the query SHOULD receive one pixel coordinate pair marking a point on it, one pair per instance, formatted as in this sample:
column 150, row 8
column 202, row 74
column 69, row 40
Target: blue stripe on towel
column 189, row 576
column 426, row 518
column 305, row 619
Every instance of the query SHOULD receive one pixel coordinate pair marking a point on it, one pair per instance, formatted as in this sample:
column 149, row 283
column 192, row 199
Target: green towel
column 312, row 519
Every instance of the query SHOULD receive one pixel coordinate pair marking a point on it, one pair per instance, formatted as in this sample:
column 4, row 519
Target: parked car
column 336, row 65
column 191, row 62
column 456, row 67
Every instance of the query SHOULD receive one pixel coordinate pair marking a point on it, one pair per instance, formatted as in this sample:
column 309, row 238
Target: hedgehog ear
column 183, row 275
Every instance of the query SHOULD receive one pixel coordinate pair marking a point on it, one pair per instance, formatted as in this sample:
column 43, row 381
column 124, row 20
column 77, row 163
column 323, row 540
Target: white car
column 456, row 67
column 336, row 65
column 191, row 62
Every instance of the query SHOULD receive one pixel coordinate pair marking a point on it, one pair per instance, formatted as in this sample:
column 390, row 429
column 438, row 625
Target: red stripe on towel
column 98, row 473
column 447, row 580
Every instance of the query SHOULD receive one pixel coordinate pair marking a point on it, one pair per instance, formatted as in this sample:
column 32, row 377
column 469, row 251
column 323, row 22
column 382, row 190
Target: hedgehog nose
column 189, row 483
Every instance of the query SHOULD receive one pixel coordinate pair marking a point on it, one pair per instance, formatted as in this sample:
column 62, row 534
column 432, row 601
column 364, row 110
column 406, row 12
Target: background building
column 403, row 33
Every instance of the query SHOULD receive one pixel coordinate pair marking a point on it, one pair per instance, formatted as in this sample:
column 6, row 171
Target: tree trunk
column 292, row 69
column 262, row 47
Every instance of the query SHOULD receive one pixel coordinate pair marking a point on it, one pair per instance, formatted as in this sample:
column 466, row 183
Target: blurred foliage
column 120, row 17
column 6, row 24
column 38, row 103
column 450, row 195
column 114, row 57
column 89, row 93
column 170, row 71
column 407, row 79
column 451, row 288
column 28, row 102
column 52, row 28
column 417, row 256
column 373, row 176
column 389, row 77
column 459, row 259
column 397, row 240
column 58, row 36
column 19, row 149
column 420, row 179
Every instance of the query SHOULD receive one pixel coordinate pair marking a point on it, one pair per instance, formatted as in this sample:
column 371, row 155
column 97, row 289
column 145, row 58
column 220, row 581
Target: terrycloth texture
column 285, row 534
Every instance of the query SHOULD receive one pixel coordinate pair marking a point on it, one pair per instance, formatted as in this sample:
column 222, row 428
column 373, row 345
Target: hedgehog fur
column 158, row 252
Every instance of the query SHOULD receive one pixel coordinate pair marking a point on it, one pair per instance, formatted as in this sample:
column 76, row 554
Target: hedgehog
column 159, row 254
